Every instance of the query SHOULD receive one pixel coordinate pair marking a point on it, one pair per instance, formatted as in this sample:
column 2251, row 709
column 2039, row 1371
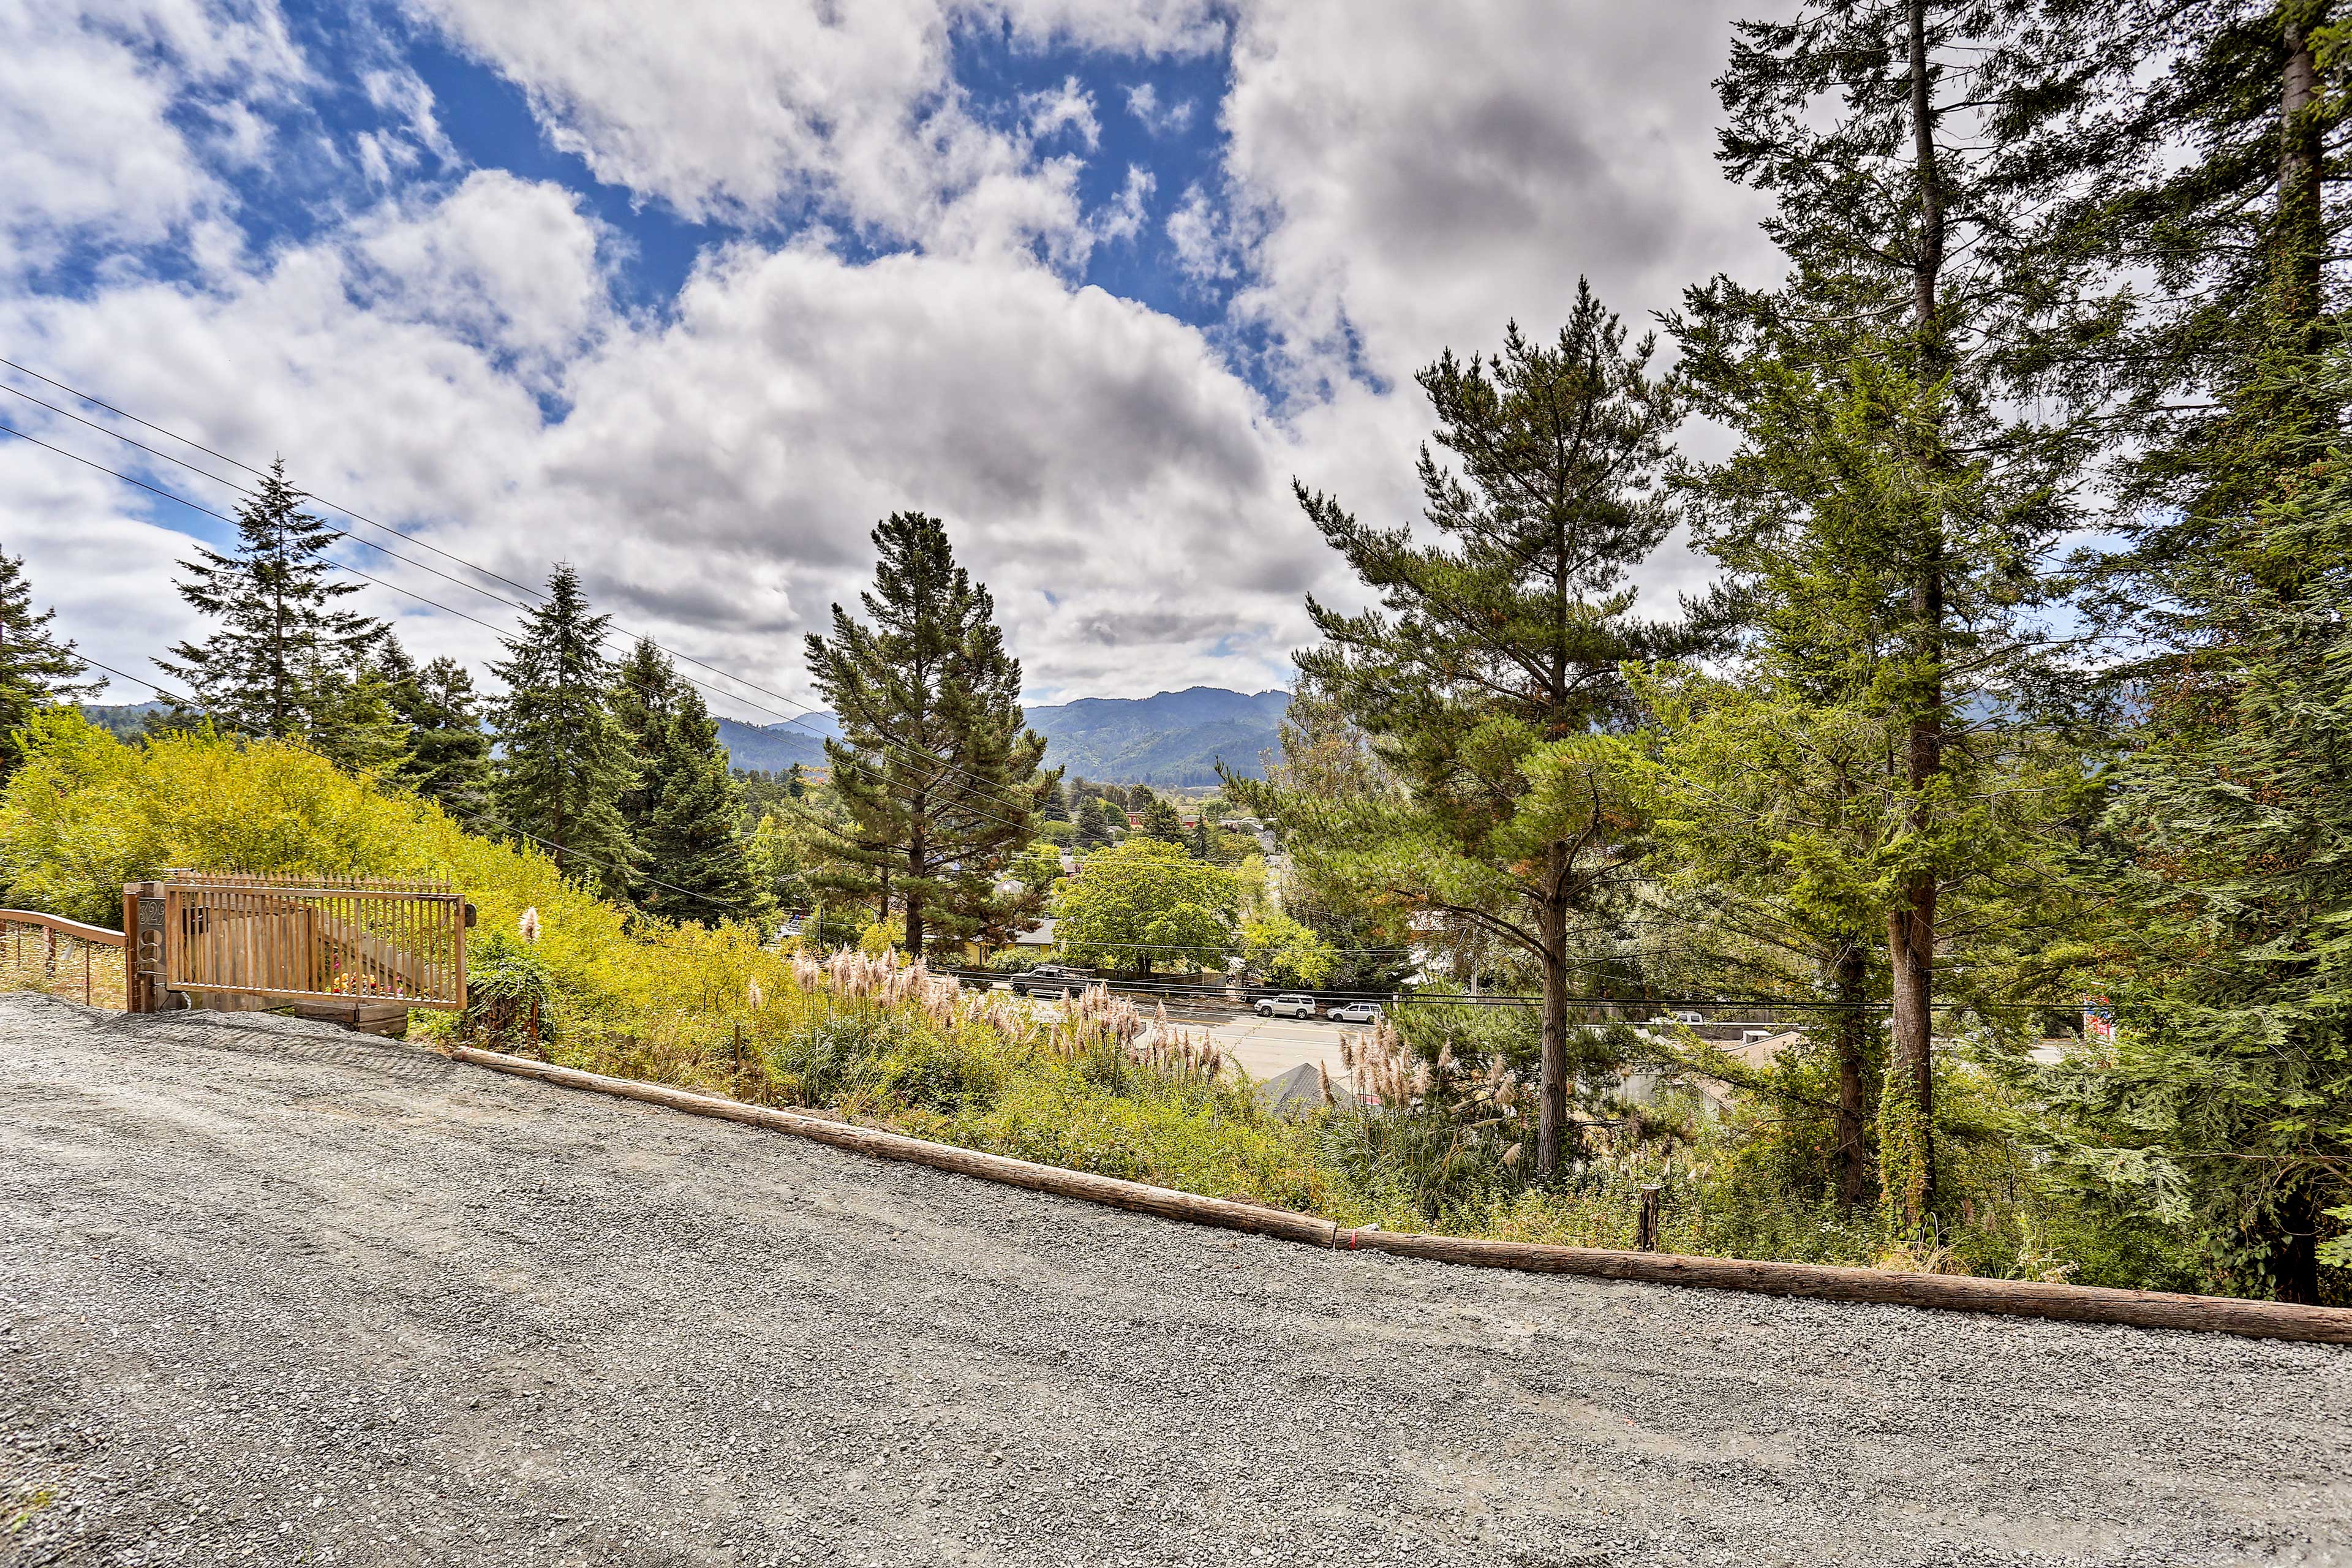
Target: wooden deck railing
column 64, row 958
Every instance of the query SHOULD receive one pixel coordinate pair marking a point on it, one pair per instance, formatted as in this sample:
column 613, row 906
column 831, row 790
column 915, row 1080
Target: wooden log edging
column 1943, row 1292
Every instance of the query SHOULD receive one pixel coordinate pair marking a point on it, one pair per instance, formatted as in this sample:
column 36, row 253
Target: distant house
column 1036, row 937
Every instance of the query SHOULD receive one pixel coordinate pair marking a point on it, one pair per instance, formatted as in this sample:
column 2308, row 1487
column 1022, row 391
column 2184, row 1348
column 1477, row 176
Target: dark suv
column 1050, row 978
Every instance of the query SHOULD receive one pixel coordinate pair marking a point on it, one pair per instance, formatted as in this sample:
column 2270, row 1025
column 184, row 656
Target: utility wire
column 905, row 746
column 8, row 429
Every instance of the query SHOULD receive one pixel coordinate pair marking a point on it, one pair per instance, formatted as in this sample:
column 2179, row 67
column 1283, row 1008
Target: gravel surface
column 274, row 1293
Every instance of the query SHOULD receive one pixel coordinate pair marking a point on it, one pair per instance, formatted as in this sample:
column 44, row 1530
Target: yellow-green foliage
column 707, row 1007
column 86, row 813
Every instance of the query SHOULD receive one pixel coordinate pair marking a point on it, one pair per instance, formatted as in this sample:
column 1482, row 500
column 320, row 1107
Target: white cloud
column 1196, row 232
column 1403, row 177
column 89, row 153
column 1068, row 107
column 739, row 112
column 451, row 356
column 1160, row 119
column 511, row 265
column 1123, row 219
column 1416, row 180
column 714, row 474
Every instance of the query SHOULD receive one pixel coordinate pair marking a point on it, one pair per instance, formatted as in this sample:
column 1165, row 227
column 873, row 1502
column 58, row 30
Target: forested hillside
column 1174, row 738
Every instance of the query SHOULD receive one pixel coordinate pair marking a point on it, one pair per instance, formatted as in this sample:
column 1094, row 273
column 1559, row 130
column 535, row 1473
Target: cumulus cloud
column 1418, row 179
column 1400, row 182
column 739, row 113
column 448, row 352
column 714, row 474
column 1196, row 233
column 1123, row 219
column 1068, row 107
column 1158, row 118
column 110, row 118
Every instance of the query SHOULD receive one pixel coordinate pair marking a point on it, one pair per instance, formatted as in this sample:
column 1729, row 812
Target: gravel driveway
column 273, row 1293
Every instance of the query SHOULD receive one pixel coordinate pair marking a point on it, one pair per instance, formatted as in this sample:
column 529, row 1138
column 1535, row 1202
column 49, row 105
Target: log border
column 1941, row 1292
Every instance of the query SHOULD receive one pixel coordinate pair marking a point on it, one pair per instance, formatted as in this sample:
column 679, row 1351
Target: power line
column 345, row 567
column 904, row 746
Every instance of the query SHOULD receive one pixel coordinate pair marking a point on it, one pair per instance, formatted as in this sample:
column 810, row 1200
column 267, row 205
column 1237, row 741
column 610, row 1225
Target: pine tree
column 1057, row 804
column 284, row 659
column 643, row 698
column 565, row 760
column 357, row 723
column 2213, row 211
column 694, row 865
column 1484, row 680
column 2224, row 1100
column 1162, row 820
column 1891, row 504
column 941, row 779
column 449, row 758
column 36, row 670
column 796, row 781
column 1094, row 824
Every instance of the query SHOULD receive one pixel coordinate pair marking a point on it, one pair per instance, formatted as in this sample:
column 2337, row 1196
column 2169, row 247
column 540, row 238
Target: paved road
column 1268, row 1047
column 272, row 1295
column 1265, row 1048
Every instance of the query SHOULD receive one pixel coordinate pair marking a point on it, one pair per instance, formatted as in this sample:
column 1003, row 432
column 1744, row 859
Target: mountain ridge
column 1170, row 738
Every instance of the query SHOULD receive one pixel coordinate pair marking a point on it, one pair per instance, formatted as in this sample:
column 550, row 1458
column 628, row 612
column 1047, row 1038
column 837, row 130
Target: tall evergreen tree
column 1482, row 682
column 2216, row 214
column 941, row 779
column 284, row 659
column 1056, row 808
column 448, row 757
column 694, row 864
column 1889, row 508
column 1162, row 820
column 1094, row 824
column 2223, row 1101
column 565, row 760
column 645, row 696
column 37, row 669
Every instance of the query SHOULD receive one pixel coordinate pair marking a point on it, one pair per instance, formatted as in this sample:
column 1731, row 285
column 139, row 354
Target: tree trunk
column 913, row 898
column 1852, row 1059
column 1551, row 1126
column 2301, row 237
column 2295, row 1253
column 1907, row 1133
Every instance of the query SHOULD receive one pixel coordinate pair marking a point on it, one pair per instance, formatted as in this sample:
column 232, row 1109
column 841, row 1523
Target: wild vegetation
column 2043, row 853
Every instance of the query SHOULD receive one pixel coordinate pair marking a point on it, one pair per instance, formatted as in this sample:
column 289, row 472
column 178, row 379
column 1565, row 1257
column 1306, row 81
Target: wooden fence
column 65, row 958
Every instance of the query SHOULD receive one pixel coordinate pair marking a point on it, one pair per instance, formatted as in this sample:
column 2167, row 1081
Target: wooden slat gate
column 326, row 939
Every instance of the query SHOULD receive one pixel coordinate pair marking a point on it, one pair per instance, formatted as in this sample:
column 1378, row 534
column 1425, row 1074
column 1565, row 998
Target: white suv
column 1355, row 1013
column 1286, row 1007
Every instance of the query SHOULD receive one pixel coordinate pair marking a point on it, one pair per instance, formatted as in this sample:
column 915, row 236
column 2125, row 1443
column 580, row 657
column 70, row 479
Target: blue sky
column 692, row 305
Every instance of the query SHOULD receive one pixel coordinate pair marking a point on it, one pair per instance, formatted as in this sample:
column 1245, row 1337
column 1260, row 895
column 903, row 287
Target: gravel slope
column 275, row 1294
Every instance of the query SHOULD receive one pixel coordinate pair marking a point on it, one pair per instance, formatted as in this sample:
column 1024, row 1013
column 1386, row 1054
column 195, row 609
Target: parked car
column 1355, row 1012
column 1291, row 1006
column 1052, row 979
